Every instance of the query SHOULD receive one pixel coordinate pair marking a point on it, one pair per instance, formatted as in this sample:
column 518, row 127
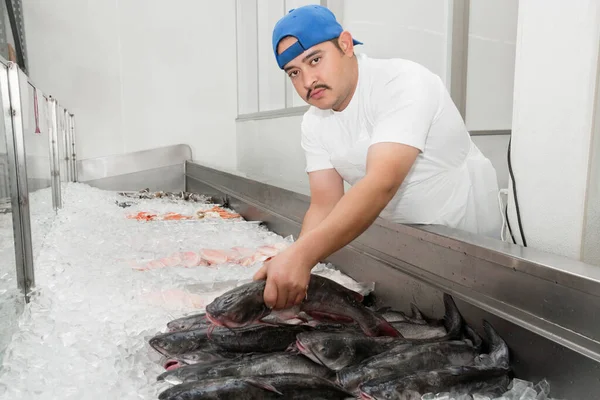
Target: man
column 387, row 127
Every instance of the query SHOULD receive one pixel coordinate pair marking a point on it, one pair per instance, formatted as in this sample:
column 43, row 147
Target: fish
column 392, row 315
column 405, row 359
column 339, row 350
column 180, row 342
column 449, row 327
column 456, row 380
column 208, row 357
column 410, row 330
column 261, row 338
column 214, row 256
column 271, row 386
column 486, row 375
column 194, row 321
column 325, row 300
column 260, row 364
column 258, row 338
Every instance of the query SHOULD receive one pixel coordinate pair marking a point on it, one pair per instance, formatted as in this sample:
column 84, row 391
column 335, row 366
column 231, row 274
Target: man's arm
column 326, row 189
column 387, row 166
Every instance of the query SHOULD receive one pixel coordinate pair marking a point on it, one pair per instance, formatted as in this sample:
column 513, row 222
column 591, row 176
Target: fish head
column 330, row 349
column 171, row 343
column 185, row 323
column 239, row 307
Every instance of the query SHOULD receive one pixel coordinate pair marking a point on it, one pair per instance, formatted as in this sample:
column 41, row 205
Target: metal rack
column 14, row 178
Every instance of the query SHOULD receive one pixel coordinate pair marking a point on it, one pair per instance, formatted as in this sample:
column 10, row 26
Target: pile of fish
column 175, row 196
column 331, row 346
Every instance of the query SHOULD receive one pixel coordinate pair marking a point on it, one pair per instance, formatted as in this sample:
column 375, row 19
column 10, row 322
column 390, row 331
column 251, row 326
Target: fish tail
column 499, row 352
column 453, row 320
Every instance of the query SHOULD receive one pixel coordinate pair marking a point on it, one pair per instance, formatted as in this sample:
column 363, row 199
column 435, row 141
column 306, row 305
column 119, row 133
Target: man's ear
column 346, row 43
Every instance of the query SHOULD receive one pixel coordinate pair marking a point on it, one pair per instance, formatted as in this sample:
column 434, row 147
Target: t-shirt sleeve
column 403, row 111
column 317, row 158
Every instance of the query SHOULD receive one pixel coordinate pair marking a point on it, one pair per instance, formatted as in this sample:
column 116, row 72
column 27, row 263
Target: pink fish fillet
column 214, row 257
column 190, row 259
column 268, row 251
column 233, row 255
column 171, row 261
column 244, row 251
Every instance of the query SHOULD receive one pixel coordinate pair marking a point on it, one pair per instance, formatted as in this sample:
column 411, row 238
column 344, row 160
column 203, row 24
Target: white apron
column 464, row 197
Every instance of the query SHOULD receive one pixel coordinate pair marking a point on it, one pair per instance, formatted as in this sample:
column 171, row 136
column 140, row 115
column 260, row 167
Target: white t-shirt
column 397, row 100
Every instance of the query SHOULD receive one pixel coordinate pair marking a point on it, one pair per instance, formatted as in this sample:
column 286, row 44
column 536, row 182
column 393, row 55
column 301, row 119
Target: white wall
column 553, row 121
column 412, row 29
column 139, row 74
column 491, row 64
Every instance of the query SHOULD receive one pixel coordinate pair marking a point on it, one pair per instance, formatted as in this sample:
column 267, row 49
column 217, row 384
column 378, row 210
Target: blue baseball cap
column 311, row 25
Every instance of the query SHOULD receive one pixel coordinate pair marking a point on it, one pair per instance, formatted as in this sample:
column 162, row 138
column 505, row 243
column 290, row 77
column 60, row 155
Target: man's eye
column 293, row 74
column 315, row 60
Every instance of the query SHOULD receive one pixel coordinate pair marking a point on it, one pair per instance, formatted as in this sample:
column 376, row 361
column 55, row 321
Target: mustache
column 321, row 86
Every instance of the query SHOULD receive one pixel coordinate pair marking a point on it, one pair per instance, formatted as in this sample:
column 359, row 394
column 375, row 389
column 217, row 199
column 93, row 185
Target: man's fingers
column 270, row 294
column 300, row 298
column 291, row 298
column 261, row 274
column 282, row 296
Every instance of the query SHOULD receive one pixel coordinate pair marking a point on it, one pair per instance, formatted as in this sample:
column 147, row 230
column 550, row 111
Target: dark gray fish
column 195, row 321
column 174, row 343
column 204, row 357
column 271, row 386
column 207, row 357
column 391, row 315
column 263, row 364
column 449, row 327
column 337, row 350
column 457, row 380
column 420, row 331
column 326, row 299
column 473, row 337
column 487, row 374
column 340, row 350
column 260, row 338
column 404, row 360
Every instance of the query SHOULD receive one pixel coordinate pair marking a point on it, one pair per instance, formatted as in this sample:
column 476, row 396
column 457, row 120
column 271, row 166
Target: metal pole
column 73, row 148
column 11, row 100
column 55, row 156
column 66, row 133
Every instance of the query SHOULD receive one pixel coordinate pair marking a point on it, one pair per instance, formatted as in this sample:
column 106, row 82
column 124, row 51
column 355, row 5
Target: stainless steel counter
column 542, row 304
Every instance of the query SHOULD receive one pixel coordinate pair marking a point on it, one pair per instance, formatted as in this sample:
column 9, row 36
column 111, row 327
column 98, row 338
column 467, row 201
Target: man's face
column 320, row 75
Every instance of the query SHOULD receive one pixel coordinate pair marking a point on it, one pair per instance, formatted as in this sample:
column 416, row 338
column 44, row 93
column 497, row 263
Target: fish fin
column 499, row 351
column 453, row 320
column 327, row 316
column 386, row 329
column 416, row 313
column 256, row 381
column 473, row 336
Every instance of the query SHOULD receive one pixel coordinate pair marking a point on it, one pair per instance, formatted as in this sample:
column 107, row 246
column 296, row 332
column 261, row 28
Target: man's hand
column 287, row 275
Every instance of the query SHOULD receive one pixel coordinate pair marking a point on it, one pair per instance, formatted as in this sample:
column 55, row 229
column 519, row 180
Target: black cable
column 512, row 177
column 508, row 223
column 15, row 31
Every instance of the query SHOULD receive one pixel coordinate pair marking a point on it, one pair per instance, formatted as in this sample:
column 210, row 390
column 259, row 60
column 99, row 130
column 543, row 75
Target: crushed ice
column 85, row 333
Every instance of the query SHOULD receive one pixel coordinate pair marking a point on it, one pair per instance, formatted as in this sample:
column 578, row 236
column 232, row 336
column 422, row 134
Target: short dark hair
column 336, row 42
